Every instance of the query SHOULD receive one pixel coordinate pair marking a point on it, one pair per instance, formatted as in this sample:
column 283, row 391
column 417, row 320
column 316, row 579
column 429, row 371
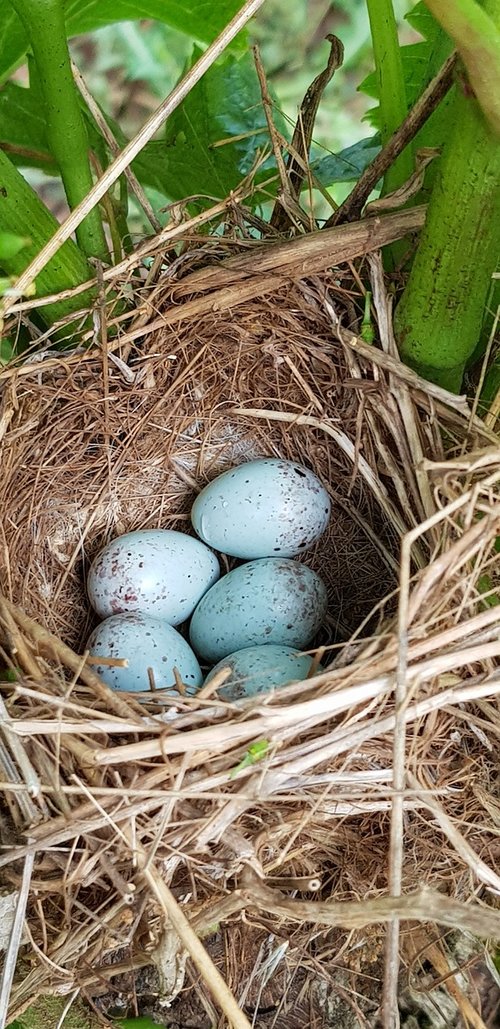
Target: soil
column 300, row 992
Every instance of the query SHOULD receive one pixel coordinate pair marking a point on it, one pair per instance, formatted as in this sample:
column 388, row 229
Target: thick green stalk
column 476, row 33
column 438, row 321
column 392, row 91
column 23, row 213
column 66, row 133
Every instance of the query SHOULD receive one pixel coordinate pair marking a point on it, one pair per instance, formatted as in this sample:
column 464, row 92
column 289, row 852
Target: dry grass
column 131, row 812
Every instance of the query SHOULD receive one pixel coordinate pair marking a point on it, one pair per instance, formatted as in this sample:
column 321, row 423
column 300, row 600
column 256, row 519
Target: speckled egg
column 265, row 508
column 257, row 670
column 144, row 642
column 269, row 601
column 156, row 571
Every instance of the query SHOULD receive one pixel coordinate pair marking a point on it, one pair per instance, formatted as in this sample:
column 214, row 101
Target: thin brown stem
column 351, row 209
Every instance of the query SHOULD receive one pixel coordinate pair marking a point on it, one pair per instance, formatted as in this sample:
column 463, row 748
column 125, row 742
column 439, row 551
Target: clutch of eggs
column 264, row 508
column 145, row 582
column 158, row 572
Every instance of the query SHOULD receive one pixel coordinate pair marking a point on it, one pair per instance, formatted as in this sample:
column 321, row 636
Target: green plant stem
column 438, row 321
column 23, row 213
column 66, row 133
column 392, row 91
column 476, row 33
column 367, row 329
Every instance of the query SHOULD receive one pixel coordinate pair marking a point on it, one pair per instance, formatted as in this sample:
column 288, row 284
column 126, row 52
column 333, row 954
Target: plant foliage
column 212, row 139
column 420, row 60
column 199, row 19
column 219, row 135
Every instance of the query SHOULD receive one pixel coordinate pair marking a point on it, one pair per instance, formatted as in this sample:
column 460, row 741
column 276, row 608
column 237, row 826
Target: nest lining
column 88, row 454
column 89, row 466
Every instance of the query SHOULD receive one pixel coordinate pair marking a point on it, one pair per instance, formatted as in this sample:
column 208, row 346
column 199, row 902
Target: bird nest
column 321, row 813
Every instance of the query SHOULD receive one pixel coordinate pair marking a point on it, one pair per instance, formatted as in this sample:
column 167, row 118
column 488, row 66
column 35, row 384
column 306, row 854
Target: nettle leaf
column 13, row 43
column 22, row 129
column 23, row 134
column 421, row 61
column 211, row 140
column 348, row 164
column 209, row 145
column 201, row 20
column 11, row 244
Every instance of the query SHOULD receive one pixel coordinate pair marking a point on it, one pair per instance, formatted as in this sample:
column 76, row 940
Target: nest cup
column 130, row 809
column 98, row 462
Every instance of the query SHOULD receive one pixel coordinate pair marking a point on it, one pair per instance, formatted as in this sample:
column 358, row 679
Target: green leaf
column 255, row 752
column 11, row 244
column 201, row 20
column 13, row 43
column 347, row 165
column 23, row 129
column 23, row 133
column 209, row 145
column 23, row 213
column 211, row 140
column 225, row 104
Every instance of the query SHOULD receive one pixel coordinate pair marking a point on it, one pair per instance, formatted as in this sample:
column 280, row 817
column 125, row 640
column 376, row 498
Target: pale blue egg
column 257, row 670
column 273, row 600
column 145, row 642
column 156, row 571
column 264, row 508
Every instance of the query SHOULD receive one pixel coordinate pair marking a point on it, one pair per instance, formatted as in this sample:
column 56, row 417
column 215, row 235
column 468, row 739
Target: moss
column 47, row 1011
